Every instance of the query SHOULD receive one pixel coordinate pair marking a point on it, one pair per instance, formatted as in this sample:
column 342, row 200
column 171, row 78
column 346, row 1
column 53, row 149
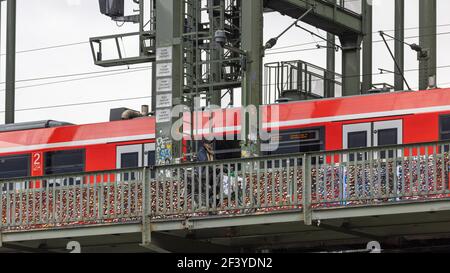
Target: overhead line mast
column 10, row 62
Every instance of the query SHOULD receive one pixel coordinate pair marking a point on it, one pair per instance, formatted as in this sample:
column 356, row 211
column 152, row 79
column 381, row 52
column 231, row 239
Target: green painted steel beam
column 382, row 210
column 326, row 15
column 367, row 47
column 428, row 41
column 169, row 69
column 184, row 245
column 399, row 44
column 252, row 45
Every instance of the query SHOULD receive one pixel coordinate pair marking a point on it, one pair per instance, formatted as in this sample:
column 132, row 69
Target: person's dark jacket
column 202, row 154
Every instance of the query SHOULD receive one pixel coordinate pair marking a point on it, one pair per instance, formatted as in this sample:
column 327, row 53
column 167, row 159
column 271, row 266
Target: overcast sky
column 46, row 23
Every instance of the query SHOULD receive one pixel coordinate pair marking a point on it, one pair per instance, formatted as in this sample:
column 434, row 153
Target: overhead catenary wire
column 376, row 41
column 101, row 72
column 79, row 104
column 78, row 79
column 81, row 74
column 308, row 43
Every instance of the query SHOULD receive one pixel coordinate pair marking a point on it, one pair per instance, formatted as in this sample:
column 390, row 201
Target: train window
column 387, row 137
column 296, row 141
column 129, row 160
column 61, row 162
column 151, row 159
column 357, row 139
column 444, row 127
column 227, row 149
column 14, row 167
column 223, row 149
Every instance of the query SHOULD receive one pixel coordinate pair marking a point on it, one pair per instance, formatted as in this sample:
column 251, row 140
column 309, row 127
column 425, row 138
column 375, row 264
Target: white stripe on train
column 332, row 119
column 231, row 128
column 75, row 143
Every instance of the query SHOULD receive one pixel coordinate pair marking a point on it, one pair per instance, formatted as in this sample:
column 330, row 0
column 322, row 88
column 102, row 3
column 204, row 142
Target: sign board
column 163, row 115
column 37, row 164
column 164, row 85
column 164, row 54
column 164, row 70
column 164, row 100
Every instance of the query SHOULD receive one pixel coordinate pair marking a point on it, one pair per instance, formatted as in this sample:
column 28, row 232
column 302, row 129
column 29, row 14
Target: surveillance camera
column 220, row 37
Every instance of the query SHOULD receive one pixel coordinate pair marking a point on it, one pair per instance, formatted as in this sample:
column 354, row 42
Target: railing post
column 307, row 186
column 146, row 207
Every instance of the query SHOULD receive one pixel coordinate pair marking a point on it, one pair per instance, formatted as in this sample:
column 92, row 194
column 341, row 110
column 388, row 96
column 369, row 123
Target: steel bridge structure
column 321, row 201
column 305, row 202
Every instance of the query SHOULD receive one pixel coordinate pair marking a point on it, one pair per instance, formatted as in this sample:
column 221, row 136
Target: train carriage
column 47, row 148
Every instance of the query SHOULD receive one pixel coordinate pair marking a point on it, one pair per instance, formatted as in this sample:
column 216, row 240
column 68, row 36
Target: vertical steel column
column 217, row 21
column 153, row 65
column 331, row 66
column 427, row 32
column 252, row 44
column 399, row 45
column 169, row 30
column 153, row 68
column 367, row 46
column 10, row 62
column 351, row 67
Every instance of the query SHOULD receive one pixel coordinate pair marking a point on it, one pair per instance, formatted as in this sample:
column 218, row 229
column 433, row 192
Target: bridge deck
column 392, row 194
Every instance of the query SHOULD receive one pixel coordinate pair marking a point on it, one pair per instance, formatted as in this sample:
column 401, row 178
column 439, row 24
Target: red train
column 46, row 148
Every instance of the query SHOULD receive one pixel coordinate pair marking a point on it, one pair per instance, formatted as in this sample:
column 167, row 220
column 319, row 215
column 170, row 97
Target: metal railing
column 379, row 175
column 299, row 78
column 114, row 45
column 84, row 198
column 352, row 5
column 367, row 176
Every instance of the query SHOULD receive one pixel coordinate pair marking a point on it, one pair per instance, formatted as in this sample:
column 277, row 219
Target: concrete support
column 427, row 32
column 10, row 62
column 399, row 45
column 169, row 69
column 351, row 67
column 367, row 47
column 252, row 44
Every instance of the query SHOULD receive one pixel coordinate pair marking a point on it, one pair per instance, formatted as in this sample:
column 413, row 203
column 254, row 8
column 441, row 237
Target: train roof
column 19, row 138
column 360, row 107
column 77, row 135
column 32, row 125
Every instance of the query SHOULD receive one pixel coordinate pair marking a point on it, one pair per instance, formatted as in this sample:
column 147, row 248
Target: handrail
column 68, row 175
column 292, row 155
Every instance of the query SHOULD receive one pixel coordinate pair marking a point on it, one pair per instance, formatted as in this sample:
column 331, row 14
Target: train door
column 373, row 134
column 129, row 157
column 388, row 133
column 369, row 134
column 135, row 156
column 149, row 156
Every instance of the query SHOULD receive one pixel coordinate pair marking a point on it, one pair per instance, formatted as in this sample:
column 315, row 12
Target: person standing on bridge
column 206, row 152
